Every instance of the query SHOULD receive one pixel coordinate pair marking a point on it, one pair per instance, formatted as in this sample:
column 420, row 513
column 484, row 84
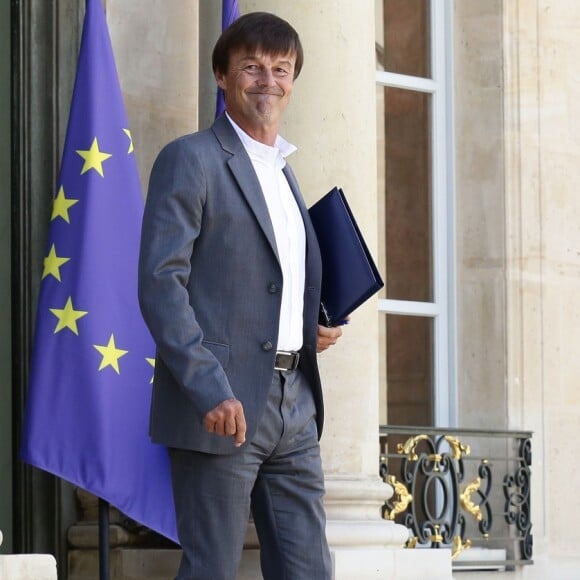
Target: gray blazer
column 210, row 288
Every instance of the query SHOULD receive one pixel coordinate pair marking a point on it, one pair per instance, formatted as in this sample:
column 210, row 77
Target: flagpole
column 103, row 539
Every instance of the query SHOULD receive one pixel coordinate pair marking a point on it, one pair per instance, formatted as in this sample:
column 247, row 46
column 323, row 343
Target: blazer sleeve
column 171, row 224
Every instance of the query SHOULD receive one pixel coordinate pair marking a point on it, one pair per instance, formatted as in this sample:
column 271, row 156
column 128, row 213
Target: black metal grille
column 461, row 489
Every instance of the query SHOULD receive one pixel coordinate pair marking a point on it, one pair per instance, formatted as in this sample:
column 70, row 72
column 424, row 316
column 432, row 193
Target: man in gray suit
column 229, row 285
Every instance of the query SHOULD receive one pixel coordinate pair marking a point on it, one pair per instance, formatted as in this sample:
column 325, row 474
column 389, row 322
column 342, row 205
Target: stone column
column 157, row 56
column 332, row 121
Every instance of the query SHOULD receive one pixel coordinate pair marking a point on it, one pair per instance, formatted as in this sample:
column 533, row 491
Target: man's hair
column 258, row 31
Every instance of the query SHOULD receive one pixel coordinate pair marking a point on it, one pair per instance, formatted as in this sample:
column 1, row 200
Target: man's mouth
column 267, row 92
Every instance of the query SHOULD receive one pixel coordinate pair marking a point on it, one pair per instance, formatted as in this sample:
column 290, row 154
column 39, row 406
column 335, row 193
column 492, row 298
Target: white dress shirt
column 289, row 232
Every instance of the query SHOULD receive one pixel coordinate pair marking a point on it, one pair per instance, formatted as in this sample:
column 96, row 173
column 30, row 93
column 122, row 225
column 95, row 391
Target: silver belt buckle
column 295, row 358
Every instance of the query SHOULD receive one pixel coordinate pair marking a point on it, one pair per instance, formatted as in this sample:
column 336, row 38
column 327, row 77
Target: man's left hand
column 327, row 337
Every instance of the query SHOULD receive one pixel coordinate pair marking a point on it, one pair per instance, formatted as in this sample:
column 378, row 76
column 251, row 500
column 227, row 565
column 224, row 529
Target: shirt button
column 267, row 346
column 272, row 288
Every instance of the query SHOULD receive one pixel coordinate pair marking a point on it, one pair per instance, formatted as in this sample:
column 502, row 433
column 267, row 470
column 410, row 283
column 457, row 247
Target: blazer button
column 272, row 288
column 267, row 346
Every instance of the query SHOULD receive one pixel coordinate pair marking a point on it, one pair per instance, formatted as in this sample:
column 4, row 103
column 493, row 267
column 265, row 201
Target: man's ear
column 220, row 80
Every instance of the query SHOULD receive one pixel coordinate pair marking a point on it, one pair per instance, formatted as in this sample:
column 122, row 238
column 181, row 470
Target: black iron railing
column 465, row 490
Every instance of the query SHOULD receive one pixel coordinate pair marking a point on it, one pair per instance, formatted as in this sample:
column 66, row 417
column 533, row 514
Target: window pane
column 409, row 370
column 406, row 37
column 407, row 219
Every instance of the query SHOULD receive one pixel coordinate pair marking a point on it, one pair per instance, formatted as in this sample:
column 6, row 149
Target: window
column 415, row 212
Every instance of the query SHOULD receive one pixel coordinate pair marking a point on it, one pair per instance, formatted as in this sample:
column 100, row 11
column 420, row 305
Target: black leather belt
column 286, row 361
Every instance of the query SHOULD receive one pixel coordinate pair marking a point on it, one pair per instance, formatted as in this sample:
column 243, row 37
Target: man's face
column 257, row 88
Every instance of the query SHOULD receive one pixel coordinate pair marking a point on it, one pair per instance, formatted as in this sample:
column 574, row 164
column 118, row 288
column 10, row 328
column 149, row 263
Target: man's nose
column 266, row 77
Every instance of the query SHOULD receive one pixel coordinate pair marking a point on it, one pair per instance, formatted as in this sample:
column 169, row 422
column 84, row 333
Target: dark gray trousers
column 278, row 476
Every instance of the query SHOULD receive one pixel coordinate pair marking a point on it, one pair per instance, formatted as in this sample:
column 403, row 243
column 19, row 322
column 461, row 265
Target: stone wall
column 517, row 105
column 480, row 214
column 543, row 256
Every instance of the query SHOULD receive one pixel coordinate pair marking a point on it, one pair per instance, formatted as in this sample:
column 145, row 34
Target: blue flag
column 230, row 12
column 92, row 361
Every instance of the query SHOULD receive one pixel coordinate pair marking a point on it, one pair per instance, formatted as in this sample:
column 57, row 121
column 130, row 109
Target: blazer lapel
column 243, row 172
column 297, row 196
column 309, row 229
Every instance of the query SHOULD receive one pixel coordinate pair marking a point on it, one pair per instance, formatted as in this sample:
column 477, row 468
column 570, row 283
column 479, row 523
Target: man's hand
column 227, row 419
column 327, row 337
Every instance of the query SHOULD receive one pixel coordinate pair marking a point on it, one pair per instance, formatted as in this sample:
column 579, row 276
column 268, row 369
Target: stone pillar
column 157, row 56
column 332, row 121
column 540, row 119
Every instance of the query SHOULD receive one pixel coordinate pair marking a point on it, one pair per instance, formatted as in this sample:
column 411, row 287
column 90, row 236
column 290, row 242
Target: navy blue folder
column 349, row 275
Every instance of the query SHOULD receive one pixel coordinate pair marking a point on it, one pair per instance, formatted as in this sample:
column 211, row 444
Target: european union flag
column 92, row 361
column 230, row 12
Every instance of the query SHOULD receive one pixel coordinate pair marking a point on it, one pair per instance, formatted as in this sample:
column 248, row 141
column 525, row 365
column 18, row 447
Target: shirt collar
column 266, row 152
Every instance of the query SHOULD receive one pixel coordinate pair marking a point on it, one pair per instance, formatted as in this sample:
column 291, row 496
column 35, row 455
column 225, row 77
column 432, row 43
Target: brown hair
column 258, row 31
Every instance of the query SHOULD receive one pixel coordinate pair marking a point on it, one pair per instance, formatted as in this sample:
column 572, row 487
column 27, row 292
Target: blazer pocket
column 219, row 350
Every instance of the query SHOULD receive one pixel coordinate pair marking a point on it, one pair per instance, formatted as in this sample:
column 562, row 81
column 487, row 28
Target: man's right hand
column 227, row 419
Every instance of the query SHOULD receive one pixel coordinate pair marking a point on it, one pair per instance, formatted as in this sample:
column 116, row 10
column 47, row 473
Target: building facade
column 450, row 125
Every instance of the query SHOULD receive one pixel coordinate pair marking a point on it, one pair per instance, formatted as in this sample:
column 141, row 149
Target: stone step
column 149, row 564
column 162, row 564
column 28, row 567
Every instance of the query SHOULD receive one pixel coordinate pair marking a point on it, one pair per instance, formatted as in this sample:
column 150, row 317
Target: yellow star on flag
column 151, row 361
column 93, row 158
column 52, row 264
column 128, row 133
column 60, row 206
column 111, row 355
column 67, row 317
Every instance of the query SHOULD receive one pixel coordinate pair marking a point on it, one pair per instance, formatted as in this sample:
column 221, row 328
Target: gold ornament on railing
column 458, row 449
column 403, row 497
column 409, row 447
column 459, row 546
column 466, row 502
column 436, row 536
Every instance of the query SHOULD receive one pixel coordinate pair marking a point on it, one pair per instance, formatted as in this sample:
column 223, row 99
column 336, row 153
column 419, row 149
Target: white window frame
column 442, row 308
